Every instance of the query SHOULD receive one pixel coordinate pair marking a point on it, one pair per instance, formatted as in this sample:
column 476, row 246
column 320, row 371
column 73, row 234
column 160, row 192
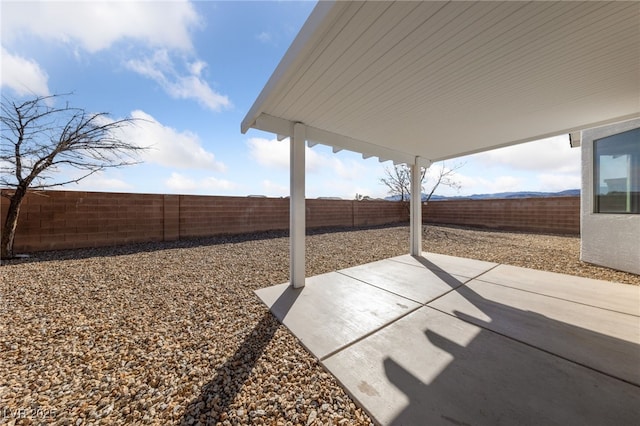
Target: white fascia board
column 283, row 128
column 290, row 62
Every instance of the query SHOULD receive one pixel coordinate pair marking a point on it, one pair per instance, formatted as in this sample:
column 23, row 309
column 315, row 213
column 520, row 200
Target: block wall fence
column 52, row 220
column 552, row 215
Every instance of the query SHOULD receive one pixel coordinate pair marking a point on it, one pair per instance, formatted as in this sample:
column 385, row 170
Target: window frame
column 629, row 146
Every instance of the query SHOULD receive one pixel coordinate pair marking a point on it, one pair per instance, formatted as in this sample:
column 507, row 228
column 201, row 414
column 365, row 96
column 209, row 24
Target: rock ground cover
column 172, row 333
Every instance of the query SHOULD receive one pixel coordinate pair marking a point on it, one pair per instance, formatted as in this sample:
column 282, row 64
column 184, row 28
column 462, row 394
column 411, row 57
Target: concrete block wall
column 51, row 220
column 373, row 213
column 171, row 217
column 68, row 219
column 556, row 215
column 331, row 213
column 202, row 216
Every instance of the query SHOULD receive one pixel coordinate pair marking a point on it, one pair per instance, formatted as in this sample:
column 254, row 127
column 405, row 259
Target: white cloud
column 545, row 182
column 318, row 163
column 196, row 67
column 169, row 147
column 275, row 154
column 97, row 25
column 217, row 184
column 160, row 68
column 270, row 153
column 546, row 165
column 347, row 171
column 23, row 75
column 264, row 37
column 480, row 185
column 272, row 189
column 558, row 182
column 468, row 184
column 99, row 181
column 552, row 154
column 506, row 184
column 180, row 183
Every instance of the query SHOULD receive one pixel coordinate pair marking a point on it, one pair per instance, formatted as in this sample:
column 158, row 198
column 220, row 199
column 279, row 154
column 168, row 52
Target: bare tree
column 398, row 180
column 445, row 177
column 40, row 139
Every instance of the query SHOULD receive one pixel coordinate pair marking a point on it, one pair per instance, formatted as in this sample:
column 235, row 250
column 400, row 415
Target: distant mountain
column 499, row 195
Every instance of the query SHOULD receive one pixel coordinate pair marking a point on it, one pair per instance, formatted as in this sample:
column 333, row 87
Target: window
column 617, row 173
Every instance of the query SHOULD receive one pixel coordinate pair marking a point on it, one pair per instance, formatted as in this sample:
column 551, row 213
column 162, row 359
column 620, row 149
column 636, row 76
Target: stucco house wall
column 608, row 239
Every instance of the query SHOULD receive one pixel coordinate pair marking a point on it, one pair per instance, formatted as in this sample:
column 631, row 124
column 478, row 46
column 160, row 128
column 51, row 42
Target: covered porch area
column 430, row 339
column 421, row 82
column 435, row 339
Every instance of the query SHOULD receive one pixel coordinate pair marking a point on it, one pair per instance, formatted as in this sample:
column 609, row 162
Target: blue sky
column 192, row 70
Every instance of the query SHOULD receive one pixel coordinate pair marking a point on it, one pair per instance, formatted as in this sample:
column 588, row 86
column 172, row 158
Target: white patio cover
column 416, row 82
column 444, row 79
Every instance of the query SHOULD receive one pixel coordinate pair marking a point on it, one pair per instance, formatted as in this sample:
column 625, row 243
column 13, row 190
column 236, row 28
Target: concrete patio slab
column 333, row 310
column 430, row 368
column 603, row 294
column 554, row 325
column 415, row 282
column 444, row 340
column 470, row 268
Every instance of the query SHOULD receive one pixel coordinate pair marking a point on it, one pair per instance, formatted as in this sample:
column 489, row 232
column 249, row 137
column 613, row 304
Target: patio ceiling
column 436, row 80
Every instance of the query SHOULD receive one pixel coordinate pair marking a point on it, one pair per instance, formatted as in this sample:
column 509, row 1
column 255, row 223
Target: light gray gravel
column 173, row 333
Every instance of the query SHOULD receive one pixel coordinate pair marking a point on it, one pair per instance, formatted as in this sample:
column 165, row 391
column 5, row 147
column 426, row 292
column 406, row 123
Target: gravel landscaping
column 172, row 333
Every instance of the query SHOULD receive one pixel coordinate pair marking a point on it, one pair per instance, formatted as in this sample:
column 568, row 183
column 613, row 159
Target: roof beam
column 282, row 128
column 271, row 124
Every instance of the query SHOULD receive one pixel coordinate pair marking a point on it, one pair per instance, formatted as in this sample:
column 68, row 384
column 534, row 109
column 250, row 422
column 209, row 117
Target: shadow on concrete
column 218, row 394
column 498, row 380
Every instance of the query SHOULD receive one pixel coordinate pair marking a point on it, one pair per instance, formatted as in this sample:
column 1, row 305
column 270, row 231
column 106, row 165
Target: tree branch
column 39, row 139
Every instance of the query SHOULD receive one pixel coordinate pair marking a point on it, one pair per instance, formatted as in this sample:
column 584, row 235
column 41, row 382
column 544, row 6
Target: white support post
column 297, row 209
column 415, row 218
